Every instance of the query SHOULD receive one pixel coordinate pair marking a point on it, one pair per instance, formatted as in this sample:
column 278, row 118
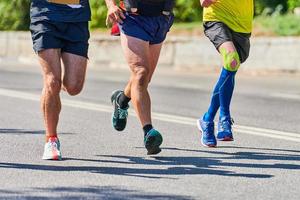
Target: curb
column 178, row 53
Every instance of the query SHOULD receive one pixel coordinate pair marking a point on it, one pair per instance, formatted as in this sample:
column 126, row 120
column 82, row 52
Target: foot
column 152, row 141
column 52, row 149
column 119, row 116
column 208, row 138
column 225, row 129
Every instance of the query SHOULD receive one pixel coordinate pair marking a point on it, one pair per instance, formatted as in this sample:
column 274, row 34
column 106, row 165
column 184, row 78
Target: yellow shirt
column 236, row 14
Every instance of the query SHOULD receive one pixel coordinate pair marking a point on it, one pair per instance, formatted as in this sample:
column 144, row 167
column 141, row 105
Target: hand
column 207, row 3
column 114, row 15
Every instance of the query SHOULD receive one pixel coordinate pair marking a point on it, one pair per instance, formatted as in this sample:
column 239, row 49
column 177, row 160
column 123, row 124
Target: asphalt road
column 99, row 163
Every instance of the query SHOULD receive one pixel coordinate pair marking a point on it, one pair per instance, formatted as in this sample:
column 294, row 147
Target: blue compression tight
column 222, row 96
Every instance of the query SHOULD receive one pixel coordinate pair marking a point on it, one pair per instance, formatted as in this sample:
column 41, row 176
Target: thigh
column 74, row 69
column 154, row 57
column 218, row 33
column 228, row 46
column 136, row 51
column 50, row 62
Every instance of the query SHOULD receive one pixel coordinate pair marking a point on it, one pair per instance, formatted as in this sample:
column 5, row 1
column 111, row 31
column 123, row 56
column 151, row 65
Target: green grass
column 187, row 26
column 276, row 25
column 281, row 25
column 179, row 28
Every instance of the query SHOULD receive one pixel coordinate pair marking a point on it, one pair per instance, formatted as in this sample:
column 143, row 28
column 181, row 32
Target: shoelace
column 52, row 145
column 122, row 113
column 209, row 128
column 226, row 125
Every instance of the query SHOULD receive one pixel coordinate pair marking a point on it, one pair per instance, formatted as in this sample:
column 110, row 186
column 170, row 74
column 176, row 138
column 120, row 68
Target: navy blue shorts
column 70, row 37
column 150, row 29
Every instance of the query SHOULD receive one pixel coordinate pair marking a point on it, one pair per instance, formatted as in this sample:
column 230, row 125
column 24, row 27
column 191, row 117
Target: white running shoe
column 52, row 149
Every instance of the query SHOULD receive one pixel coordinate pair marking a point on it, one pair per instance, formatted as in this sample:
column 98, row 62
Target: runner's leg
column 137, row 54
column 224, row 84
column 154, row 57
column 50, row 100
column 231, row 64
column 74, row 72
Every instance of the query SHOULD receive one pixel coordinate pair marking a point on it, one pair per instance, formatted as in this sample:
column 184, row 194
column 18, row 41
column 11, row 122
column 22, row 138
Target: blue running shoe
column 207, row 129
column 152, row 141
column 225, row 130
column 119, row 116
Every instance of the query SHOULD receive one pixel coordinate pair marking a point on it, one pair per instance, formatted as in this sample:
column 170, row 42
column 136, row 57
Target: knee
column 73, row 88
column 141, row 76
column 52, row 84
column 231, row 60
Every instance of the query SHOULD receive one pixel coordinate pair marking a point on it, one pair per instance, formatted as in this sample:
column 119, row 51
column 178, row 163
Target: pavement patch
column 274, row 134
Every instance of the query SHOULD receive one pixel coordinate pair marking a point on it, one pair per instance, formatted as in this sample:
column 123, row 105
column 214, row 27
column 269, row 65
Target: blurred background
column 275, row 41
column 272, row 17
column 276, row 29
column 262, row 163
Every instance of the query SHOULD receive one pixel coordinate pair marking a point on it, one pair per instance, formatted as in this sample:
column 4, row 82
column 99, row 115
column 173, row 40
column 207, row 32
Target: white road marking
column 286, row 96
column 295, row 137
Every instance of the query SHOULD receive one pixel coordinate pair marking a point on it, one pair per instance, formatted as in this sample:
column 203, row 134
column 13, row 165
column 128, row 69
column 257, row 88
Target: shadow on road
column 264, row 149
column 92, row 192
column 215, row 162
column 248, row 153
column 21, row 131
column 163, row 167
column 24, row 131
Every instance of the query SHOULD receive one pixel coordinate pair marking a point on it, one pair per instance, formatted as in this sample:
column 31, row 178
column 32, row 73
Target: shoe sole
column 57, row 158
column 225, row 139
column 153, row 145
column 206, row 145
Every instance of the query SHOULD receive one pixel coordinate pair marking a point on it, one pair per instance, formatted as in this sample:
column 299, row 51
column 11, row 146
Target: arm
column 114, row 14
column 207, row 3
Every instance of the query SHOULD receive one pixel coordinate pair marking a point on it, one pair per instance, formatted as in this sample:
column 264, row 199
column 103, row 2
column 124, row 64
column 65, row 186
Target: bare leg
column 50, row 100
column 154, row 56
column 75, row 70
column 137, row 54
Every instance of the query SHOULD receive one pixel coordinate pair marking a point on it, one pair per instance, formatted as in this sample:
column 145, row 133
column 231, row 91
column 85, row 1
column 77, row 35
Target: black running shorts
column 218, row 33
column 70, row 37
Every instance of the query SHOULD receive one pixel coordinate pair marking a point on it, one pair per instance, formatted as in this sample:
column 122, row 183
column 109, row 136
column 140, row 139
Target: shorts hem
column 135, row 36
column 75, row 53
column 37, row 51
column 157, row 42
column 218, row 46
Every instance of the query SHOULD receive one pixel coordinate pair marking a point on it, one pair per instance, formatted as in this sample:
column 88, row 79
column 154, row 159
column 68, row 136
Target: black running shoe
column 119, row 116
column 152, row 141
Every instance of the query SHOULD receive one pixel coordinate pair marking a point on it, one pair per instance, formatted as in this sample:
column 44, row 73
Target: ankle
column 147, row 128
column 208, row 118
column 224, row 118
column 123, row 100
column 52, row 136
